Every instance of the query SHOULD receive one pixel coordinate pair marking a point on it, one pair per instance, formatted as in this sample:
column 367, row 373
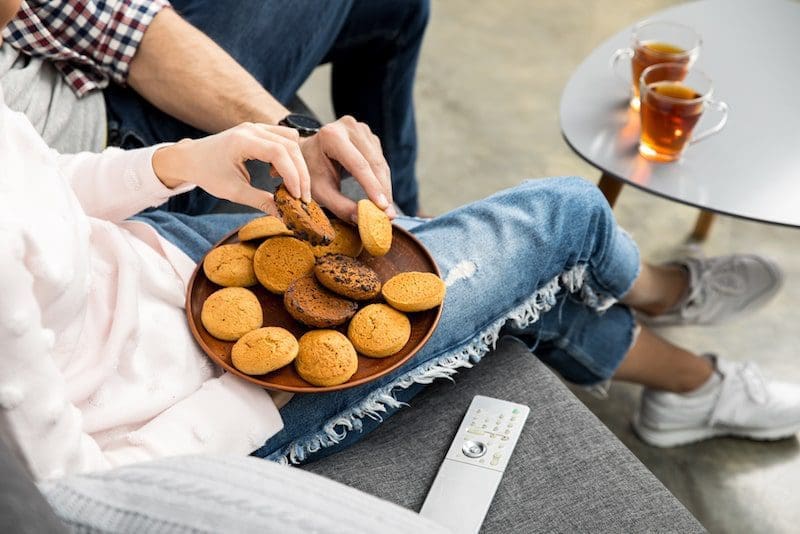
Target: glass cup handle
column 614, row 63
column 721, row 107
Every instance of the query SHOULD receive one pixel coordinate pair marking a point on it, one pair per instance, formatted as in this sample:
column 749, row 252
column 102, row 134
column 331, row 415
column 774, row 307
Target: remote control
column 471, row 471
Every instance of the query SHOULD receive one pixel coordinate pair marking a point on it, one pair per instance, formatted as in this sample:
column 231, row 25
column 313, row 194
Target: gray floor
column 488, row 90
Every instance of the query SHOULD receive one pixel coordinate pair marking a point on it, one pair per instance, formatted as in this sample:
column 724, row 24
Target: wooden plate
column 406, row 254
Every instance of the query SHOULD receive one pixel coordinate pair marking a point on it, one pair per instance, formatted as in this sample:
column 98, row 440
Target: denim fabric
column 547, row 249
column 373, row 46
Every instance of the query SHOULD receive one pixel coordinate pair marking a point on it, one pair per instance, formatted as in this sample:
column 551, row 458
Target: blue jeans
column 544, row 261
column 373, row 46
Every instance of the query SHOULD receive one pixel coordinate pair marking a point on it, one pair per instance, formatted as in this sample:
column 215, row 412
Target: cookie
column 311, row 304
column 279, row 261
column 413, row 292
column 379, row 331
column 231, row 265
column 326, row 358
column 345, row 242
column 306, row 220
column 347, row 276
column 374, row 228
column 263, row 350
column 263, row 227
column 230, row 313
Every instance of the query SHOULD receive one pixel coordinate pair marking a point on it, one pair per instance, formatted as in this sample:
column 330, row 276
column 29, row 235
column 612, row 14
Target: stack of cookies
column 312, row 262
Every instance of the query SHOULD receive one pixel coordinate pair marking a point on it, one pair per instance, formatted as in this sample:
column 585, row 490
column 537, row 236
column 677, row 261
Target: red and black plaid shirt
column 90, row 41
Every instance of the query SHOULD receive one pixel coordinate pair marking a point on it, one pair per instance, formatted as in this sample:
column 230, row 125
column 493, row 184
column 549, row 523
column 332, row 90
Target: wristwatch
column 306, row 126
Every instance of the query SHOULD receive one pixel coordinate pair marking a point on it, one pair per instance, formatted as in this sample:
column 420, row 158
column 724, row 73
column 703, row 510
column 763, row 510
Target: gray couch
column 568, row 473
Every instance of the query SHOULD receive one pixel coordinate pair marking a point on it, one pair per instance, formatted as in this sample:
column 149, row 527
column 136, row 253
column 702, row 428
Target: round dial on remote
column 473, row 449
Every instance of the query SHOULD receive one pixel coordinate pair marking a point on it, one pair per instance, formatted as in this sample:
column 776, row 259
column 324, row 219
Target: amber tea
column 670, row 111
column 673, row 100
column 651, row 52
column 656, row 42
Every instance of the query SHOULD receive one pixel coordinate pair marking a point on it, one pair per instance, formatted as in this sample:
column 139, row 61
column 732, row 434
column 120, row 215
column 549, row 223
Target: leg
column 374, row 64
column 657, row 289
column 610, row 187
column 703, row 225
column 570, row 241
column 658, row 364
column 193, row 234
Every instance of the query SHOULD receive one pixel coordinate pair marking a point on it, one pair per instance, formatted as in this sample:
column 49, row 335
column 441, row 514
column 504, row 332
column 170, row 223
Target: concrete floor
column 488, row 90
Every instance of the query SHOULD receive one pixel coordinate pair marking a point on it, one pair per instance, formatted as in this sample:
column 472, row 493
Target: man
column 165, row 76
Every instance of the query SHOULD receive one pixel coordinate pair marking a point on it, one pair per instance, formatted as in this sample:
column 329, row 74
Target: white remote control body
column 473, row 467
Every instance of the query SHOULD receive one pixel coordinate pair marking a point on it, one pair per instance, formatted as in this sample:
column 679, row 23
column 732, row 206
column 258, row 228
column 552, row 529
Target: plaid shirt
column 89, row 41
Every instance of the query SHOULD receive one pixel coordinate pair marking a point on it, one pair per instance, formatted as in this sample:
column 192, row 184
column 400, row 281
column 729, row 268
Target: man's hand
column 216, row 163
column 350, row 145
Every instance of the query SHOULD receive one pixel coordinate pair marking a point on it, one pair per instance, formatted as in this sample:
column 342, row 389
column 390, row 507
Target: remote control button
column 473, row 449
column 494, row 461
column 494, row 429
column 515, row 410
column 475, row 431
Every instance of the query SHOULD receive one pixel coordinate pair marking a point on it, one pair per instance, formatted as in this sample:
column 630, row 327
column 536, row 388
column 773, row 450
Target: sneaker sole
column 675, row 438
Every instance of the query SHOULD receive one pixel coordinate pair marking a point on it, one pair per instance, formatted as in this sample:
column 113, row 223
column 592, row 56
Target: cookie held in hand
column 306, row 220
column 374, row 227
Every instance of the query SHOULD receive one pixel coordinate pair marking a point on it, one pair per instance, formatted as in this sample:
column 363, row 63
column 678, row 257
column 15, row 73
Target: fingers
column 352, row 145
column 330, row 197
column 255, row 198
column 370, row 147
column 297, row 177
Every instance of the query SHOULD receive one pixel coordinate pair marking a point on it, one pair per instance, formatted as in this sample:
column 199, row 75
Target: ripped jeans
column 544, row 261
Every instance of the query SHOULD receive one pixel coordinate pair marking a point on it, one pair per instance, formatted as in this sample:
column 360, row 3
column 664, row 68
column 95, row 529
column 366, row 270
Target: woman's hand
column 351, row 145
column 216, row 163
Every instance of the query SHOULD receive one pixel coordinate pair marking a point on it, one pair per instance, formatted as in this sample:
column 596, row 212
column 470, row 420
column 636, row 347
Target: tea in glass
column 672, row 102
column 657, row 42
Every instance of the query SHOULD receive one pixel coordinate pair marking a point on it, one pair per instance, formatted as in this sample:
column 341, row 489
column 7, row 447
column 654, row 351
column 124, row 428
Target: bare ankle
column 693, row 377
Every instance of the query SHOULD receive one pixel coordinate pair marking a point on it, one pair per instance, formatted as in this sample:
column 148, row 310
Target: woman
column 99, row 368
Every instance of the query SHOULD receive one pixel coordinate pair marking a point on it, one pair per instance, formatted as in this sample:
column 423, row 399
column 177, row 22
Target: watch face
column 303, row 121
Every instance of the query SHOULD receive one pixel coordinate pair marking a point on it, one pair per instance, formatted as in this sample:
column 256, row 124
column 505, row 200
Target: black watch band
column 306, row 126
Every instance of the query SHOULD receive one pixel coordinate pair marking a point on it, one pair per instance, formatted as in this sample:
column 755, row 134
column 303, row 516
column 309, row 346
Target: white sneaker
column 721, row 288
column 737, row 401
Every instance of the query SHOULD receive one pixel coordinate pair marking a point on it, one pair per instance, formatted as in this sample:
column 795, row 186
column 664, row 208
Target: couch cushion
column 22, row 507
column 568, row 472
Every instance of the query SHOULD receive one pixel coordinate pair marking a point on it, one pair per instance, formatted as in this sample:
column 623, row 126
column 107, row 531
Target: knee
column 570, row 194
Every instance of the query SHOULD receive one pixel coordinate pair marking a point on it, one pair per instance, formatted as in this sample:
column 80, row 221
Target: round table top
column 751, row 169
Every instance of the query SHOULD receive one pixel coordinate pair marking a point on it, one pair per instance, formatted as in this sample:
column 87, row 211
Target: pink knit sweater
column 98, row 367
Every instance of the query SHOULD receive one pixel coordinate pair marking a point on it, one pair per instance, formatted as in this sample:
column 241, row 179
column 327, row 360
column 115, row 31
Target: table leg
column 703, row 226
column 610, row 187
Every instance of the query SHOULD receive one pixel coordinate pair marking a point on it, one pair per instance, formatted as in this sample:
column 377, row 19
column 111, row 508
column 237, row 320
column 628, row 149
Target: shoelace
column 729, row 283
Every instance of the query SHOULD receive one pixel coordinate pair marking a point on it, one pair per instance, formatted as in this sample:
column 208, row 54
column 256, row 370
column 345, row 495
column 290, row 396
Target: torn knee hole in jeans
column 461, row 271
